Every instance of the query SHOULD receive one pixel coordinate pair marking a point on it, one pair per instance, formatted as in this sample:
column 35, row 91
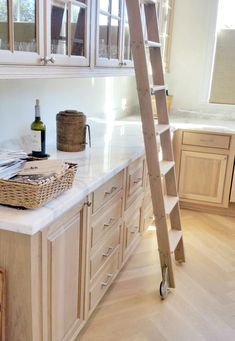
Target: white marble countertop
column 115, row 144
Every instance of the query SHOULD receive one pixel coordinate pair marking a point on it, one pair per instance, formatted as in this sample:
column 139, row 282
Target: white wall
column 191, row 58
column 112, row 96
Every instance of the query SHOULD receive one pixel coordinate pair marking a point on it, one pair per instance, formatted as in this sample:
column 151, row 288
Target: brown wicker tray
column 32, row 195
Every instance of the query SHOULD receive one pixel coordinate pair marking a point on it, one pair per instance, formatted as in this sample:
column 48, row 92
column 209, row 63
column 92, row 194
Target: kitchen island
column 61, row 259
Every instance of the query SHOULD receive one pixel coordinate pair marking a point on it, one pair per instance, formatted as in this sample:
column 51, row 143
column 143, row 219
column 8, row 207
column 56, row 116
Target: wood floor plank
column 201, row 308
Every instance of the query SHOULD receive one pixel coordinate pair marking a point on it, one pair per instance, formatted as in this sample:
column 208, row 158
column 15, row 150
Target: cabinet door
column 108, row 33
column 21, row 28
column 63, row 277
column 68, row 32
column 126, row 55
column 202, row 176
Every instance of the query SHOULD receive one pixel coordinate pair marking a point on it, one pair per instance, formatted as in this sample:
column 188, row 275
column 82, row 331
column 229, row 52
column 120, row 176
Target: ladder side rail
column 156, row 62
column 144, row 94
column 160, row 97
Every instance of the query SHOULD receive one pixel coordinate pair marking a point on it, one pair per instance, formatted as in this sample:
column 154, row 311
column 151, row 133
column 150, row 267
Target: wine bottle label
column 36, row 141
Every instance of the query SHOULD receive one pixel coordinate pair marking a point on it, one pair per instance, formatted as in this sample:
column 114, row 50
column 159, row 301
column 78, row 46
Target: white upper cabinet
column 21, row 28
column 92, row 35
column 112, row 34
column 68, row 32
column 36, row 32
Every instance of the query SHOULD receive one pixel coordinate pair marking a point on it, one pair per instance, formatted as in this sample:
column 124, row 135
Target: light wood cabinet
column 204, row 167
column 56, row 278
column 63, row 274
column 202, row 176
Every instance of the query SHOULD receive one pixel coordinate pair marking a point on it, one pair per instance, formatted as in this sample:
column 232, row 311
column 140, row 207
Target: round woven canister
column 71, row 131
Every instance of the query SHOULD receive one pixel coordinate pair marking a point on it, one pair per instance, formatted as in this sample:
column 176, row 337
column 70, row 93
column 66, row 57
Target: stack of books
column 11, row 162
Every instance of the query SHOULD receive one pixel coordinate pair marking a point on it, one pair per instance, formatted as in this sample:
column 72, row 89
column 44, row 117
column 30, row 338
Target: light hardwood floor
column 202, row 307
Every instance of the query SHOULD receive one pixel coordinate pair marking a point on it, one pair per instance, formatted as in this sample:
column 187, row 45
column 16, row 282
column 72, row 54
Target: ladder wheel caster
column 164, row 289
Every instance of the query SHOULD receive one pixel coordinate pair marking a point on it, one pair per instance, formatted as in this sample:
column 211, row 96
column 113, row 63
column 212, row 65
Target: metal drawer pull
column 111, row 221
column 136, row 228
column 137, row 180
column 111, row 191
column 206, row 140
column 109, row 277
column 108, row 253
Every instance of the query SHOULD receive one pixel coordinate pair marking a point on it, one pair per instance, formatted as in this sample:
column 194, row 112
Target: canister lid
column 71, row 113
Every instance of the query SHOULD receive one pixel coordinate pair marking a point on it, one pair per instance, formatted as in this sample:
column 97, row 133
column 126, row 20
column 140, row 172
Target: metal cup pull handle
column 88, row 129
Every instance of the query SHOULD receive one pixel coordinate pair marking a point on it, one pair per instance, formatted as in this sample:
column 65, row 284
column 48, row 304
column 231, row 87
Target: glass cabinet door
column 20, row 26
column 108, row 33
column 68, row 32
column 126, row 46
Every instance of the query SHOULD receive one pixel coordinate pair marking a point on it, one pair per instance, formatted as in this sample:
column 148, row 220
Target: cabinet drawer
column 105, row 252
column 206, row 140
column 132, row 228
column 104, row 280
column 135, row 180
column 105, row 220
column 104, row 193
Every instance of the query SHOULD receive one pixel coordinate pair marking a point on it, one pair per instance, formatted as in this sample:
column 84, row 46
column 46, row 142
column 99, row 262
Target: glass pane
column 115, row 7
column 114, row 38
column 105, row 5
column 4, row 33
column 78, row 31
column 83, row 1
column 127, row 45
column 103, row 36
column 59, row 28
column 24, row 17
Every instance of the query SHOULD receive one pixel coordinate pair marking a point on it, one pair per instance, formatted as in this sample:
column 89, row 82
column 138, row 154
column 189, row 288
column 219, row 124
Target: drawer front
column 135, row 180
column 105, row 252
column 132, row 228
column 103, row 194
column 206, row 140
column 101, row 223
column 104, row 280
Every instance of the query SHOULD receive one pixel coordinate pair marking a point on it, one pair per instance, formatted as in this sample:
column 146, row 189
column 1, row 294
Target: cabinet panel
column 202, row 176
column 21, row 32
column 107, row 191
column 104, row 280
column 64, row 280
column 232, row 194
column 104, row 221
column 105, row 251
column 63, row 276
column 206, row 140
column 68, row 33
column 135, row 181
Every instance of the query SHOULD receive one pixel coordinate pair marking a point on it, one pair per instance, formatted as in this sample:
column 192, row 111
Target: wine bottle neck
column 37, row 111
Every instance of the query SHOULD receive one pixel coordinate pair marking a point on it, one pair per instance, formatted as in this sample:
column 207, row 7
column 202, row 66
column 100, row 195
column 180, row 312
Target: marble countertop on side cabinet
column 114, row 146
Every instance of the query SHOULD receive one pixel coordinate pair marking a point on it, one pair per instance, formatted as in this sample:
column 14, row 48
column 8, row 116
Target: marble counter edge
column 31, row 221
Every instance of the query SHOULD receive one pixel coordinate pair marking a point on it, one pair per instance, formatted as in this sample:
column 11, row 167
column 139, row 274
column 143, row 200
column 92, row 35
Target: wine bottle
column 38, row 133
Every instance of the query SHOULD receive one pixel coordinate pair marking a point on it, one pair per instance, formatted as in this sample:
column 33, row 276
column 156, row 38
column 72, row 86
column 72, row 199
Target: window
column 223, row 73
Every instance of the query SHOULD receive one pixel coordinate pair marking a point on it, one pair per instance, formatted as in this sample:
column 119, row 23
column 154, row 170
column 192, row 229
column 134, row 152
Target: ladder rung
column 166, row 166
column 149, row 43
column 174, row 238
column 156, row 88
column 148, row 2
column 161, row 128
column 170, row 202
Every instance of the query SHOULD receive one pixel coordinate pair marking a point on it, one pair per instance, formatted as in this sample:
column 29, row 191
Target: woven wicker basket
column 36, row 195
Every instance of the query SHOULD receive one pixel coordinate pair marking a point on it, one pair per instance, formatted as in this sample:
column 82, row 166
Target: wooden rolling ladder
column 161, row 172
